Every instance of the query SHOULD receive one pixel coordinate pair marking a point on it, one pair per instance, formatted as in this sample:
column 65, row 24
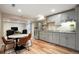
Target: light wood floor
column 41, row 47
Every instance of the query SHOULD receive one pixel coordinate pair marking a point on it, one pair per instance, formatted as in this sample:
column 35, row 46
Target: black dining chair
column 24, row 31
column 9, row 32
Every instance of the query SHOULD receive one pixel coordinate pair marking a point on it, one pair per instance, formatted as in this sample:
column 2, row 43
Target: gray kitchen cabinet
column 70, row 40
column 40, row 35
column 67, row 16
column 55, row 18
column 55, row 38
column 36, row 34
column 51, row 19
column 77, row 32
column 77, row 28
column 71, row 15
column 62, row 40
column 77, row 41
column 49, row 36
column 44, row 36
column 77, row 35
column 64, row 17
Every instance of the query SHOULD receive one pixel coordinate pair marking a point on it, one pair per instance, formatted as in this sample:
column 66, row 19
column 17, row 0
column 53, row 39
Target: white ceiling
column 35, row 9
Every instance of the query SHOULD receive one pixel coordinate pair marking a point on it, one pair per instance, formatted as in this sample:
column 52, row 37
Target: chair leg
column 28, row 48
column 4, row 48
column 13, row 45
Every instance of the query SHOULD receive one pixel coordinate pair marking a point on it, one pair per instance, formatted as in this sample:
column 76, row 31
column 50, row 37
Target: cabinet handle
column 66, row 38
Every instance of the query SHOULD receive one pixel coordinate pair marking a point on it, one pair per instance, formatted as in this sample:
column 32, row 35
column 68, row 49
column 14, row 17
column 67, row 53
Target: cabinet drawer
column 55, row 38
column 62, row 39
column 70, row 40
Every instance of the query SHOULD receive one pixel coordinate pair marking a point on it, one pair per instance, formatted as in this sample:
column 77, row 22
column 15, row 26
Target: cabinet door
column 50, row 37
column 71, row 15
column 44, row 36
column 63, row 17
column 77, row 41
column 55, row 38
column 68, row 16
column 41, row 35
column 62, row 40
column 77, row 28
column 47, row 36
column 70, row 40
column 36, row 34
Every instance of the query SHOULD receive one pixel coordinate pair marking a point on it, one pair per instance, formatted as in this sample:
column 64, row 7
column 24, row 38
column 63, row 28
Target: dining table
column 17, row 37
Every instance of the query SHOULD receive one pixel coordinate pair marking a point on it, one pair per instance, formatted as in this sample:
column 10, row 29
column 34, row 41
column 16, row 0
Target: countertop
column 56, row 32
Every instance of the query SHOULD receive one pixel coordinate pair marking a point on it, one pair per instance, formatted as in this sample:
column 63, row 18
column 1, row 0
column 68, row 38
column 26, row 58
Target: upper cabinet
column 68, row 16
column 55, row 18
column 62, row 17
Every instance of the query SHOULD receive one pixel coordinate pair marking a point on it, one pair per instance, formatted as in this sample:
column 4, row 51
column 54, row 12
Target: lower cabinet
column 45, row 36
column 36, row 34
column 42, row 36
column 71, row 40
column 62, row 40
column 49, row 37
column 68, row 40
column 77, row 41
column 55, row 38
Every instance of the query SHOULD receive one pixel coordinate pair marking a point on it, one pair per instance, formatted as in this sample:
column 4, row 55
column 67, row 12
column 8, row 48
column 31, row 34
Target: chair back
column 9, row 32
column 24, row 40
column 29, row 36
column 4, row 40
column 24, row 31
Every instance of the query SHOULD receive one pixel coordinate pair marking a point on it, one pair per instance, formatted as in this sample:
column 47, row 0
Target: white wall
column 65, row 27
column 1, row 42
column 0, row 24
column 8, row 25
column 0, row 27
column 33, row 30
column 28, row 26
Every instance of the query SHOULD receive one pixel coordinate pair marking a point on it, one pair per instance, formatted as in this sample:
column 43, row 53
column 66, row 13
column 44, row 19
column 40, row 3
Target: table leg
column 16, row 41
column 16, row 48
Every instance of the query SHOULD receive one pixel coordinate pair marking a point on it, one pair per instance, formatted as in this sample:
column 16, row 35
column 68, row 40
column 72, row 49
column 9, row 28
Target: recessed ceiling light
column 19, row 10
column 53, row 10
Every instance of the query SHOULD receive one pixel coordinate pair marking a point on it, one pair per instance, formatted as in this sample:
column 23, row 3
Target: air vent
column 13, row 5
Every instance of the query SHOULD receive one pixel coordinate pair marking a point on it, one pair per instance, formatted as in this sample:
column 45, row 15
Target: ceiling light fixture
column 53, row 10
column 19, row 10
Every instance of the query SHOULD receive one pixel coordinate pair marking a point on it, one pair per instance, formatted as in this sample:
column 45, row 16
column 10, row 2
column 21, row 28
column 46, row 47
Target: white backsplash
column 65, row 27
